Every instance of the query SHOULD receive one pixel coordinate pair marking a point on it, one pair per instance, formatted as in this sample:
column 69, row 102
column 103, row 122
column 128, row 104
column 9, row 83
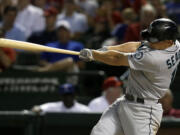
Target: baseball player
column 153, row 64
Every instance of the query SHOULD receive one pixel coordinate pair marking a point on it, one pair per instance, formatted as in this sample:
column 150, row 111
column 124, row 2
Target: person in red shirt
column 138, row 4
column 166, row 102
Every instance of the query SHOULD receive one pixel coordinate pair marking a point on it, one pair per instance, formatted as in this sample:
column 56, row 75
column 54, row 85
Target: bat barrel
column 33, row 47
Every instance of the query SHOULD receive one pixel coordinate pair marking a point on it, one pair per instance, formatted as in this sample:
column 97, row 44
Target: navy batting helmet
column 160, row 30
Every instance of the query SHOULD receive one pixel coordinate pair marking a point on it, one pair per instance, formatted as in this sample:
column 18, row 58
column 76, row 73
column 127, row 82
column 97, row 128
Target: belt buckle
column 140, row 100
column 134, row 98
column 130, row 97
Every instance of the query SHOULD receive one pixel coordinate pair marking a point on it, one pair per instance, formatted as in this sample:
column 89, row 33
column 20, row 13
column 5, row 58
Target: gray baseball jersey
column 151, row 71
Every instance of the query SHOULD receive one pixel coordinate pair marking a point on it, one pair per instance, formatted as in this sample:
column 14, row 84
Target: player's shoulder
column 177, row 43
column 142, row 51
column 144, row 46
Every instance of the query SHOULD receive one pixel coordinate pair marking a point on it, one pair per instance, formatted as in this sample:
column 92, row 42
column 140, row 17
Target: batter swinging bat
column 32, row 47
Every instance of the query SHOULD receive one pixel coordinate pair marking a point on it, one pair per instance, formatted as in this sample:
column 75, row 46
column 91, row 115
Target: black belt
column 131, row 98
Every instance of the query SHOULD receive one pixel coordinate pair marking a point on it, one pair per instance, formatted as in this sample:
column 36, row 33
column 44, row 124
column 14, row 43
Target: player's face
column 161, row 45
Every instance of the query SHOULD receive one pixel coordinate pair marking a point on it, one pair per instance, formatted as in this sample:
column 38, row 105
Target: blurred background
column 57, row 94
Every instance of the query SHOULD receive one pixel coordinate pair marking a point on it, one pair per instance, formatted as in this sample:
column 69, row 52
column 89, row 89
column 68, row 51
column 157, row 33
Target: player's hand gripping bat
column 32, row 47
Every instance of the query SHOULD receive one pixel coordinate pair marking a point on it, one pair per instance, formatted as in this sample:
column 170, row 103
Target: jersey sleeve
column 143, row 61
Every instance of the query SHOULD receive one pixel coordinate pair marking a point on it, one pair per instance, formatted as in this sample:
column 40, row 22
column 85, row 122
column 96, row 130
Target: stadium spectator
column 97, row 34
column 108, row 12
column 67, row 105
column 129, row 17
column 147, row 15
column 62, row 62
column 11, row 31
column 59, row 4
column 30, row 18
column 64, row 42
column 39, row 3
column 3, row 4
column 173, row 10
column 89, row 7
column 49, row 34
column 167, row 102
column 112, row 89
column 138, row 4
column 121, row 4
column 160, row 8
column 77, row 21
column 7, row 55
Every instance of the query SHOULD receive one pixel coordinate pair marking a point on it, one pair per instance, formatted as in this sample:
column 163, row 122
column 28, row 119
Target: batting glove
column 86, row 55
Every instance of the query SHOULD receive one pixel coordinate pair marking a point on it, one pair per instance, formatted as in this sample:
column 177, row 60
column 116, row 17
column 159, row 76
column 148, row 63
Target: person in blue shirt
column 57, row 61
column 64, row 42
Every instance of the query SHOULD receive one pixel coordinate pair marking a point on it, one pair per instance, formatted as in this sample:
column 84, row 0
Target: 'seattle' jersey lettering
column 173, row 60
column 152, row 71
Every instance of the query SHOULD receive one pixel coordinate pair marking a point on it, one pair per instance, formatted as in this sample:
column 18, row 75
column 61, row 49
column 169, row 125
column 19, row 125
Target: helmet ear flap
column 145, row 34
column 160, row 30
column 170, row 33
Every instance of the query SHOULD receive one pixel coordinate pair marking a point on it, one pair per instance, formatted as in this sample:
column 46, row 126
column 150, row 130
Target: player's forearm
column 110, row 57
column 126, row 47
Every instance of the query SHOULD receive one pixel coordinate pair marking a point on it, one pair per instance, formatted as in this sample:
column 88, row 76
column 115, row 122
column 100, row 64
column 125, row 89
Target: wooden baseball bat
column 32, row 47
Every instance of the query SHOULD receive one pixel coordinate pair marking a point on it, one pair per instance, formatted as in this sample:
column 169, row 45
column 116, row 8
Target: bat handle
column 75, row 53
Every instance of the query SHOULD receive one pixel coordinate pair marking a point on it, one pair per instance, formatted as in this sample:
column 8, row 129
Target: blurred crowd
column 112, row 89
column 74, row 25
